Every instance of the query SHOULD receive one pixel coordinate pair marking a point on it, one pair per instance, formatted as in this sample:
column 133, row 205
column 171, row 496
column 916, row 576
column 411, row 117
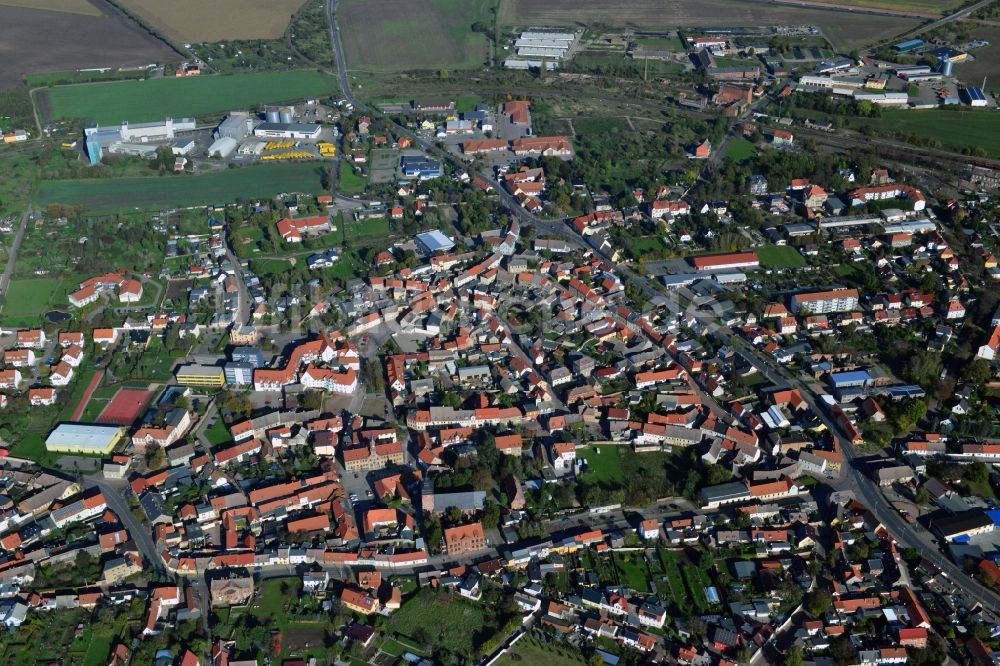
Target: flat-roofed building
column 84, row 438
column 208, row 376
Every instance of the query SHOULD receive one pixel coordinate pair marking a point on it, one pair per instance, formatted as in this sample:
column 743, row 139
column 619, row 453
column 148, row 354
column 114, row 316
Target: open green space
column 170, row 97
column 377, row 227
column 29, row 299
column 529, row 650
column 266, row 267
column 780, row 256
column 351, row 182
column 632, row 571
column 446, row 619
column 740, row 150
column 603, row 465
column 218, row 433
column 155, row 193
column 974, row 131
column 466, row 103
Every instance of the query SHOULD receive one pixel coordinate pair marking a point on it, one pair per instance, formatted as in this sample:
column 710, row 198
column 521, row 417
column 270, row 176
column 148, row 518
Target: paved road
column 243, row 301
column 139, row 532
column 8, row 270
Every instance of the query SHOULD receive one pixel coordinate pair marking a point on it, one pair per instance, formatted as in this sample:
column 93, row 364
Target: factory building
column 132, row 139
column 269, row 130
column 237, row 125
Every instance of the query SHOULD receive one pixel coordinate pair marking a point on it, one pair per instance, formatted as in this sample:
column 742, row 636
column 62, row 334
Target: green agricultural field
column 397, row 35
column 780, row 256
column 29, row 299
column 156, row 99
column 963, row 130
column 740, row 150
column 604, row 468
column 155, row 193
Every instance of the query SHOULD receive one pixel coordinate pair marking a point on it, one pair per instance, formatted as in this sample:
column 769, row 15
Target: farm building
column 974, row 96
column 908, row 46
column 82, row 438
column 223, row 147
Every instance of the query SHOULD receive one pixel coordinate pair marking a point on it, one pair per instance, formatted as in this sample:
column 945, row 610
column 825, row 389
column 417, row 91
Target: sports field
column 125, row 408
column 188, row 21
column 395, row 35
column 155, row 193
column 155, row 99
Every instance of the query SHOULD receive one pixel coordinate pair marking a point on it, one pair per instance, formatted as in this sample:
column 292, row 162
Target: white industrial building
column 533, row 45
column 288, row 131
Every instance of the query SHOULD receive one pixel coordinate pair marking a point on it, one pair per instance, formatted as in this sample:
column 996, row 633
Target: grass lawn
column 661, row 43
column 955, row 129
column 604, row 467
column 601, row 125
column 632, row 571
column 377, row 227
column 453, row 621
column 740, row 150
column 466, row 103
column 31, row 446
column 218, row 433
column 531, row 651
column 265, row 267
column 780, row 256
column 351, row 182
column 29, row 299
column 348, row 266
column 156, row 99
column 155, row 193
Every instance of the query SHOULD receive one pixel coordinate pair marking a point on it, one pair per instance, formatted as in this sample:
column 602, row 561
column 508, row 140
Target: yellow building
column 207, row 376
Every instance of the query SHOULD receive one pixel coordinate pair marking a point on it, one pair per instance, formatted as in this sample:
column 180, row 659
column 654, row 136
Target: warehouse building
column 288, row 131
column 974, row 96
column 84, row 439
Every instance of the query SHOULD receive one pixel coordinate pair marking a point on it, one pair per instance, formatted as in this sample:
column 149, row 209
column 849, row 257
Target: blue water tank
column 946, row 66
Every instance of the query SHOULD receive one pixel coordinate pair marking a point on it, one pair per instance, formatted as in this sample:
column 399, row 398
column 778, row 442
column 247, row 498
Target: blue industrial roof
column 994, row 516
column 852, row 377
column 909, row 44
column 975, row 94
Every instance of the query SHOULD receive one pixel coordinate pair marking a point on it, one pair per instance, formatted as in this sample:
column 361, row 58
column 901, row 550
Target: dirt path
column 78, row 412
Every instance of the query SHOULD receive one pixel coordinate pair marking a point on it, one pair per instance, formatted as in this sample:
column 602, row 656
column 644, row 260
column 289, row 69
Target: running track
column 78, row 412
